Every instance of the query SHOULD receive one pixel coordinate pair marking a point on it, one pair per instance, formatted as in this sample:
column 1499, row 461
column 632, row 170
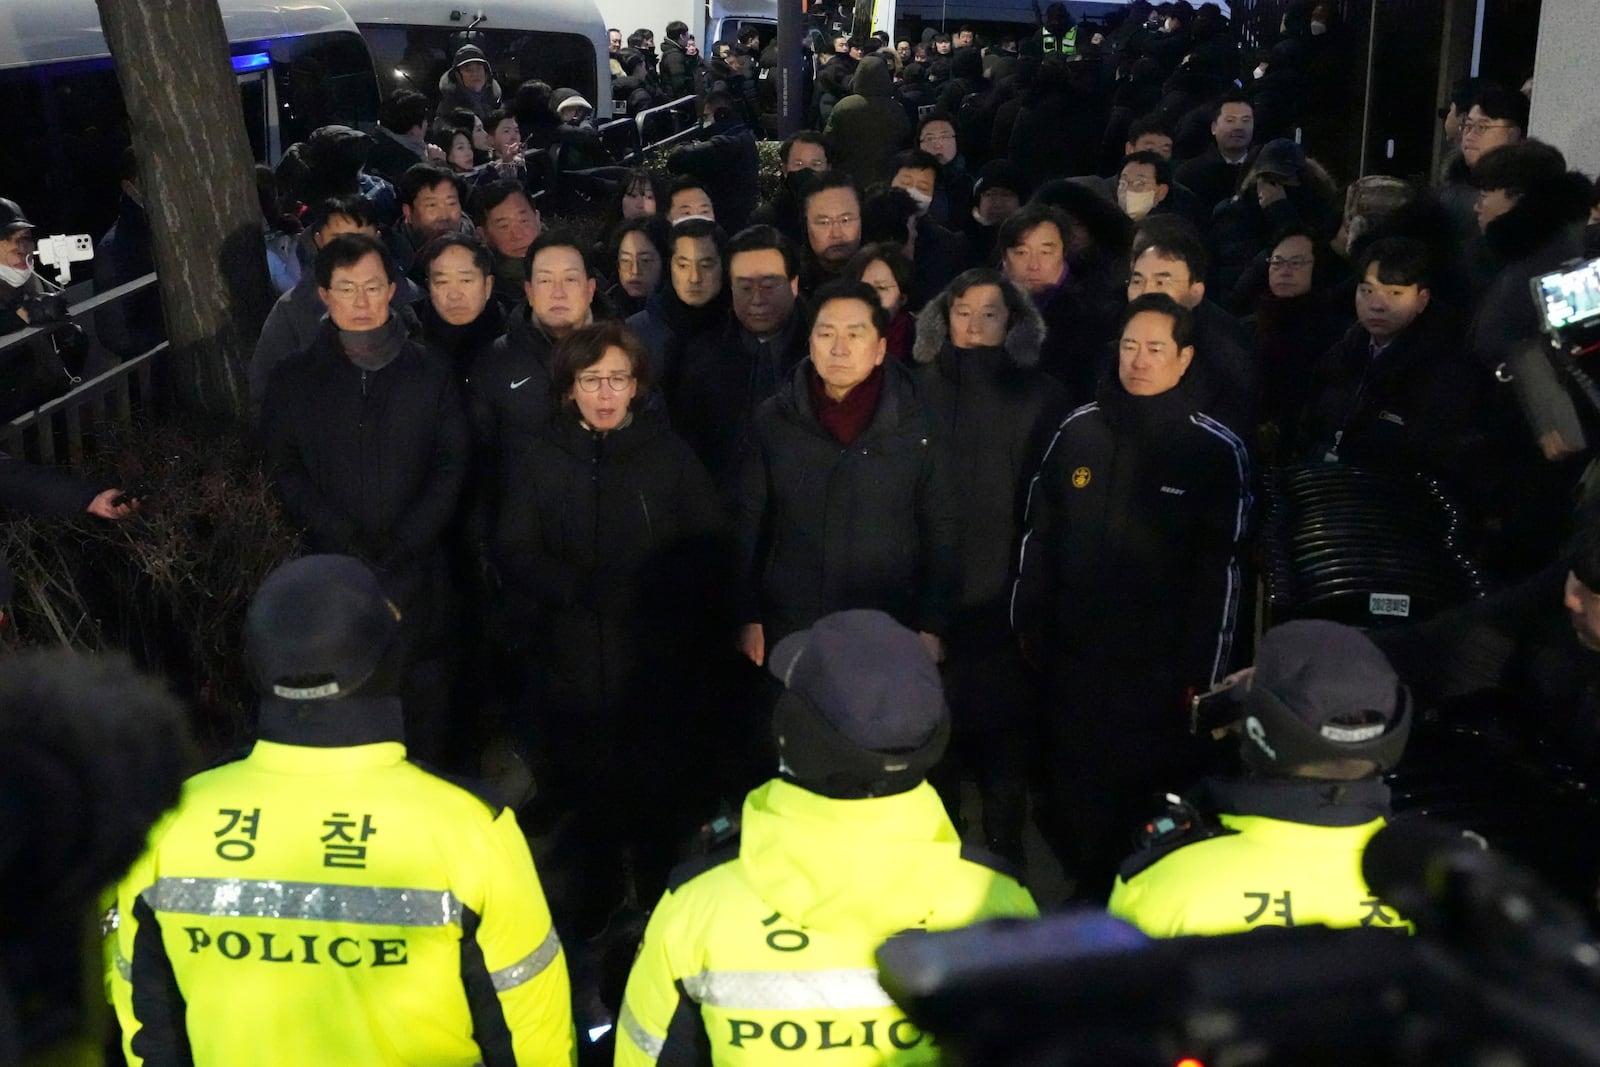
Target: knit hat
column 864, row 712
column 1322, row 691
column 318, row 628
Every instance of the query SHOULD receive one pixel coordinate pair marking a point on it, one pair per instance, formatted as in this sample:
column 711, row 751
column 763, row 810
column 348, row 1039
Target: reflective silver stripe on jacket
column 788, row 990
column 124, row 968
column 648, row 1043
column 530, row 966
column 261, row 899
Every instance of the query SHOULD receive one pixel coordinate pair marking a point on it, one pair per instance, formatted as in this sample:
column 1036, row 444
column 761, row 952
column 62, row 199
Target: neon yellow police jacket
column 337, row 905
column 770, row 952
column 1253, row 870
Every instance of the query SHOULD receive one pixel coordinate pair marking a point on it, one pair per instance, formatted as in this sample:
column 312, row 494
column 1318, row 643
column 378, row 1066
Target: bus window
column 416, row 57
column 323, row 79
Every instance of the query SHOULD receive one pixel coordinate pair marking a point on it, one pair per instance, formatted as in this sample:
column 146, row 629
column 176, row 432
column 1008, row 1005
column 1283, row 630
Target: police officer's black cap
column 864, row 713
column 1322, row 691
column 318, row 628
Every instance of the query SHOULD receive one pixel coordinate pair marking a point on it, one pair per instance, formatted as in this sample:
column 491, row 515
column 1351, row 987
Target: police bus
column 64, row 124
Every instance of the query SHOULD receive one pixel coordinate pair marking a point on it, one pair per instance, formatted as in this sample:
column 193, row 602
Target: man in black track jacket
column 1129, row 585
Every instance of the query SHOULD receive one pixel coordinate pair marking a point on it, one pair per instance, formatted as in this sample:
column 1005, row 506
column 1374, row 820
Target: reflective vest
column 1265, row 872
column 337, row 905
column 771, row 953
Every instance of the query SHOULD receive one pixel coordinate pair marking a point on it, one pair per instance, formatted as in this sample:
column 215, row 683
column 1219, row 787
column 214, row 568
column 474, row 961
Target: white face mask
column 1260, row 72
column 1136, row 205
column 14, row 277
column 924, row 201
column 1318, row 29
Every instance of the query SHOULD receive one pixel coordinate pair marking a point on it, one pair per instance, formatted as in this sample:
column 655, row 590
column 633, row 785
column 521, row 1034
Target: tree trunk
column 197, row 176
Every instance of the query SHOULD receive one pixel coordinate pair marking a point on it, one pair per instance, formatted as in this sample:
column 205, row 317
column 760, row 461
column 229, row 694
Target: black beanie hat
column 864, row 713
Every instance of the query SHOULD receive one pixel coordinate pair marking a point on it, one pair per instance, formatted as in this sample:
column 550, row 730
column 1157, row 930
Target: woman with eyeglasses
column 885, row 267
column 1303, row 308
column 608, row 548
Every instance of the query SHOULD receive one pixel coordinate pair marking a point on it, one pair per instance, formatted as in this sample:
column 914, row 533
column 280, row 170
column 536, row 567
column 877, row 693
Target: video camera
column 61, row 251
column 1501, row 971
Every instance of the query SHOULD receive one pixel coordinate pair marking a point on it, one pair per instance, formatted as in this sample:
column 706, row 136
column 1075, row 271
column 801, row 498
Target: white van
column 300, row 65
column 561, row 42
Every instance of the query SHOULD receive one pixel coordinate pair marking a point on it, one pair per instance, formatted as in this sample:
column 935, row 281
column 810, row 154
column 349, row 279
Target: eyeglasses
column 1289, row 262
column 349, row 290
column 828, row 222
column 937, row 138
column 590, row 383
column 1480, row 127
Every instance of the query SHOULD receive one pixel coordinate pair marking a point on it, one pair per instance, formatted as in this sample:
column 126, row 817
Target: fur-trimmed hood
column 1024, row 337
column 1539, row 216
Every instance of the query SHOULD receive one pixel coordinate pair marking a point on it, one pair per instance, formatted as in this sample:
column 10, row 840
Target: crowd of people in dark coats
column 1004, row 355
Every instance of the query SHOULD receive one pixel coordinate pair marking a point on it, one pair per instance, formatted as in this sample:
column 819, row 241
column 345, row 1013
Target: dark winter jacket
column 1129, row 582
column 941, row 254
column 508, row 388
column 676, row 72
column 295, row 322
column 453, row 95
column 725, row 379
column 1416, row 406
column 1058, row 130
column 1543, row 230
column 1210, row 177
column 784, row 211
column 371, row 463
column 585, row 516
column 996, row 410
column 1291, row 335
column 726, row 161
column 393, row 154
column 824, row 527
column 1080, row 325
column 668, row 326
column 461, row 346
column 869, row 127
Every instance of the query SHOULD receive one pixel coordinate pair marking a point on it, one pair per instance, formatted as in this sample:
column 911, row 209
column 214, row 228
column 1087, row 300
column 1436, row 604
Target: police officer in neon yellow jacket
column 1322, row 716
column 323, row 900
column 754, row 957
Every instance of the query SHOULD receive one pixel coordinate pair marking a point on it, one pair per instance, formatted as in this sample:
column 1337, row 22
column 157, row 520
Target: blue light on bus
column 253, row 61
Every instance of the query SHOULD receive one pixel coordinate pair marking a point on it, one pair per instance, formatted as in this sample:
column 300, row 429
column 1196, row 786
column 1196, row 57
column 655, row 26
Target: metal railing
column 67, row 423
column 680, row 115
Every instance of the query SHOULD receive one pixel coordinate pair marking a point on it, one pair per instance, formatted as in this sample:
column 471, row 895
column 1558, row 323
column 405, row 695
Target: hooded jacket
column 996, row 410
column 677, row 69
column 869, row 126
column 1242, row 229
column 775, row 947
column 454, row 94
column 824, row 527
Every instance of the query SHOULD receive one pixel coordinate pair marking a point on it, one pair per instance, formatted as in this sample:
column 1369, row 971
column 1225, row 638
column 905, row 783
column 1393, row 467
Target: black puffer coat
column 597, row 526
column 825, row 527
column 997, row 410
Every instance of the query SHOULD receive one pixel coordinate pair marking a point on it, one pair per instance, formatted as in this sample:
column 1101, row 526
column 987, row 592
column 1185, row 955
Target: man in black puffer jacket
column 1128, row 587
column 977, row 355
column 845, row 499
column 367, row 445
